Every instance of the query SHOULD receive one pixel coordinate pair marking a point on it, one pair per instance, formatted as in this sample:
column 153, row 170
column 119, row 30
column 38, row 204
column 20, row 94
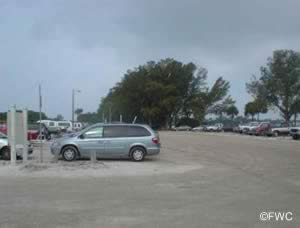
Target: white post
column 25, row 127
column 13, row 136
column 93, row 156
column 41, row 138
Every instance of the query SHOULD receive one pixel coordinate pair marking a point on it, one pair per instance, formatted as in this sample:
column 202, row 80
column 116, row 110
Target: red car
column 31, row 134
column 264, row 128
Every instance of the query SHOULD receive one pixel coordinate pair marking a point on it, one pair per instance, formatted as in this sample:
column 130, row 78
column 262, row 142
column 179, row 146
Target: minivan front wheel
column 69, row 153
column 138, row 154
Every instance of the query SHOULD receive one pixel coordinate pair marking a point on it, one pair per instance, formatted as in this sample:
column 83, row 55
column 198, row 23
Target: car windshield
column 2, row 136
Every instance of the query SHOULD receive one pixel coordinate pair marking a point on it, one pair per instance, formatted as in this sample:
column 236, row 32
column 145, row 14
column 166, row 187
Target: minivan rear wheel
column 138, row 154
column 69, row 153
column 5, row 153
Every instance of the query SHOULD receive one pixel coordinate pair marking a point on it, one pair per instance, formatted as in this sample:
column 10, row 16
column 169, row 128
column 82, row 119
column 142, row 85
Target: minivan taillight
column 155, row 140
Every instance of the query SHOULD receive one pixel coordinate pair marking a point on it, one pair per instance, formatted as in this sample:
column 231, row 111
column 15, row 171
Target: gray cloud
column 90, row 44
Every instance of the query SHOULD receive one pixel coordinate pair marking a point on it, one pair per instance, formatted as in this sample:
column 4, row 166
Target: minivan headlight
column 56, row 144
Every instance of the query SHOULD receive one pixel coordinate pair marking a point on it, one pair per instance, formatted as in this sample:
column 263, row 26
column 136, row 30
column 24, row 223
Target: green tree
column 255, row 108
column 89, row 117
column 78, row 111
column 232, row 111
column 279, row 83
column 212, row 100
column 59, row 117
column 295, row 109
column 33, row 116
column 250, row 109
column 161, row 93
column 220, row 108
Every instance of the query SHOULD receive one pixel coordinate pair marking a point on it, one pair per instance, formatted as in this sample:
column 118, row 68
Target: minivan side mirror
column 81, row 136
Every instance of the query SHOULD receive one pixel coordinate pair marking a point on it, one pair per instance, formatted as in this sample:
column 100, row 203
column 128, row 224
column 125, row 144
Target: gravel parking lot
column 198, row 180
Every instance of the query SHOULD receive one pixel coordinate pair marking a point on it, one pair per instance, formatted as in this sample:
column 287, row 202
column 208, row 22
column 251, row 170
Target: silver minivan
column 133, row 141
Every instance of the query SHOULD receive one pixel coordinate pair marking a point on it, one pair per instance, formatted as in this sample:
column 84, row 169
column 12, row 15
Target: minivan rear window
column 136, row 131
column 125, row 131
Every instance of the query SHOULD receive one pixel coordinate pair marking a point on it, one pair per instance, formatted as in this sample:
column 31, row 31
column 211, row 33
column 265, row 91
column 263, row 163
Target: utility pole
column 40, row 109
column 73, row 103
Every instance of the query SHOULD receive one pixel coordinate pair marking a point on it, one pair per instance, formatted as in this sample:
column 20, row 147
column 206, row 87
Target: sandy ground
column 198, row 180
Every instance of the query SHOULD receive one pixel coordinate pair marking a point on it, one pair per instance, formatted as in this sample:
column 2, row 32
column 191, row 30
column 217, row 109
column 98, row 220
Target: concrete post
column 13, row 136
column 93, row 156
column 25, row 127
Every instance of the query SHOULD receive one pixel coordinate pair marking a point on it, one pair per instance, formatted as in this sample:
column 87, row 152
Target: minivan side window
column 94, row 133
column 137, row 131
column 115, row 131
column 125, row 131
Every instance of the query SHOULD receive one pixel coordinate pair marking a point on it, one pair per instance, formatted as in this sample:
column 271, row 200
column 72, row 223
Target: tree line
column 169, row 92
column 163, row 94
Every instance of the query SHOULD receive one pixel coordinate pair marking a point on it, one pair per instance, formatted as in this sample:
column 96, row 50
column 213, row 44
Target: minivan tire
column 137, row 154
column 5, row 153
column 69, row 153
column 295, row 137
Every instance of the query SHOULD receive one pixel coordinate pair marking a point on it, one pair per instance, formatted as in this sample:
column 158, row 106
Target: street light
column 73, row 103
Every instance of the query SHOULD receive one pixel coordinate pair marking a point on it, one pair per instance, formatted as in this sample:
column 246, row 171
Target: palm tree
column 232, row 111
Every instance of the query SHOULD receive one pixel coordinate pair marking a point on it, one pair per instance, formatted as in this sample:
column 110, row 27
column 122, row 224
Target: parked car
column 183, row 128
column 264, row 128
column 199, row 128
column 244, row 129
column 109, row 141
column 31, row 134
column 5, row 150
column 295, row 132
column 282, row 129
column 216, row 127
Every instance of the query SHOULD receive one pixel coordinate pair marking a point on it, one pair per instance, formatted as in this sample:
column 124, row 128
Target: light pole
column 73, row 103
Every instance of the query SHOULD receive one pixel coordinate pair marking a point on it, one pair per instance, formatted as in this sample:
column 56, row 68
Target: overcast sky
column 89, row 44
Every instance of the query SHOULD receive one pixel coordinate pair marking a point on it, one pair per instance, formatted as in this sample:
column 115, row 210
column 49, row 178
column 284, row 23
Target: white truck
column 281, row 129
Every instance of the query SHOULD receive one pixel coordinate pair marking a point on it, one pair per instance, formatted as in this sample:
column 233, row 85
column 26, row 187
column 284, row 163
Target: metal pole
column 110, row 112
column 41, row 138
column 121, row 118
column 13, row 136
column 25, row 127
column 73, row 104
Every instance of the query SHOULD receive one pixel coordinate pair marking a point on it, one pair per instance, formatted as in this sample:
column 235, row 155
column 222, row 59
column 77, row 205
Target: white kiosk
column 17, row 133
